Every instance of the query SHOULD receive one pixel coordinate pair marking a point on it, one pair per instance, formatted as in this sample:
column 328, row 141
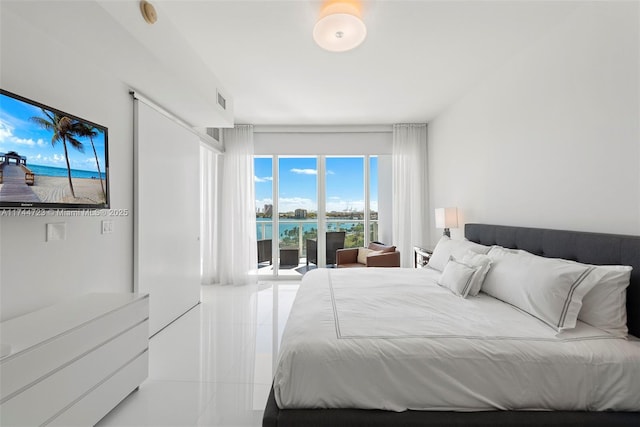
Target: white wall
column 309, row 142
column 552, row 139
column 35, row 273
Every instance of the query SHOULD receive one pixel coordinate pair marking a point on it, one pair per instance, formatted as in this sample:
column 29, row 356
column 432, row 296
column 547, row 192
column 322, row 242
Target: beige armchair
column 375, row 255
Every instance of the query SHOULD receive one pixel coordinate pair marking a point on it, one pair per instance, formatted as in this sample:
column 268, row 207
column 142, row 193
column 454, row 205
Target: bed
column 330, row 402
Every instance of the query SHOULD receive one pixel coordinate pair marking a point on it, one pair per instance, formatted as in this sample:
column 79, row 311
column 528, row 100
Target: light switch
column 56, row 231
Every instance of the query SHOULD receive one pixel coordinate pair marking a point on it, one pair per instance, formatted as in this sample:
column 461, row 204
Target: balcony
column 290, row 239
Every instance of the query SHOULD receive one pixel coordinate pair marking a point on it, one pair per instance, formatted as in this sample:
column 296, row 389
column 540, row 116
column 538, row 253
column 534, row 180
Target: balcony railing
column 290, row 229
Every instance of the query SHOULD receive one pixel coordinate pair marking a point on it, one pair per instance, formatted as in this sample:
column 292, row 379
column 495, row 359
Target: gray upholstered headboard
column 589, row 248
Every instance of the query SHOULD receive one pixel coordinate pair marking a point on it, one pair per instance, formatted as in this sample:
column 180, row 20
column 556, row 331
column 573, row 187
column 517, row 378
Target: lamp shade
column 340, row 27
column 446, row 217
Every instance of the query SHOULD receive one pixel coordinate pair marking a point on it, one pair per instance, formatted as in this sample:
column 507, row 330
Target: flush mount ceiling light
column 340, row 27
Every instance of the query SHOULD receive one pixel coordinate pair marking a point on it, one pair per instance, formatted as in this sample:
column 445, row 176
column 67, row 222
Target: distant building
column 268, row 211
column 301, row 213
column 12, row 155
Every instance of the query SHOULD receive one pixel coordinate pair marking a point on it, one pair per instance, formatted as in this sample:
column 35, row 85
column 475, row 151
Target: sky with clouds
column 20, row 134
column 298, row 183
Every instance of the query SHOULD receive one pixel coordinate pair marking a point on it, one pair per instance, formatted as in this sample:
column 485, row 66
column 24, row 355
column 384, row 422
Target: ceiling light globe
column 339, row 32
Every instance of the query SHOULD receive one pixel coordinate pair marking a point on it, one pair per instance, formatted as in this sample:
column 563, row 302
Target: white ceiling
column 419, row 57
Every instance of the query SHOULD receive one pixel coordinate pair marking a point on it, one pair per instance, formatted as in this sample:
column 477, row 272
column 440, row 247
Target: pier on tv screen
column 49, row 158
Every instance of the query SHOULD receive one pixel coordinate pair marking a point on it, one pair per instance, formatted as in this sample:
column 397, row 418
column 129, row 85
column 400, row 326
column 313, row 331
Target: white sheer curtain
column 236, row 241
column 410, row 196
column 210, row 168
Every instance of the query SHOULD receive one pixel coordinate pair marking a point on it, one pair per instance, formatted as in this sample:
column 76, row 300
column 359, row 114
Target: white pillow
column 605, row 305
column 457, row 277
column 362, row 255
column 447, row 247
column 547, row 288
column 483, row 262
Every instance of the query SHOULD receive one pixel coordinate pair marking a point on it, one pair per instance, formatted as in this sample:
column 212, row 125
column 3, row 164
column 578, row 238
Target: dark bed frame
column 590, row 248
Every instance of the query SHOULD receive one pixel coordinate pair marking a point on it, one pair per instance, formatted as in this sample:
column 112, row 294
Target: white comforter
column 393, row 339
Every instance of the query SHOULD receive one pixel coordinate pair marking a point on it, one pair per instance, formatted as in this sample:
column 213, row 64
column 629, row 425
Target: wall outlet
column 107, row 227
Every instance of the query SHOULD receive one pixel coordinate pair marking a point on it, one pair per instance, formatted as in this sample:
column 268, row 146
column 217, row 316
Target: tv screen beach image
column 48, row 157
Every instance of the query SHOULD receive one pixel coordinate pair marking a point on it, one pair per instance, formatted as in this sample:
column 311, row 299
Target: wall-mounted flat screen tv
column 50, row 159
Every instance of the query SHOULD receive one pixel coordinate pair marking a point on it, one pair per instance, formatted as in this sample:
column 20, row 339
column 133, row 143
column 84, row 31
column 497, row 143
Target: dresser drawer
column 18, row 371
column 51, row 395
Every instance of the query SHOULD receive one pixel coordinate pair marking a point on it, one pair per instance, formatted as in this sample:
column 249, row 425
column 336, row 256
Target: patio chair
column 264, row 251
column 335, row 241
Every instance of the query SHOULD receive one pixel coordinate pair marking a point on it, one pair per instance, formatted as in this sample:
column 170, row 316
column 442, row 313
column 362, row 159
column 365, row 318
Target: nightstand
column 421, row 256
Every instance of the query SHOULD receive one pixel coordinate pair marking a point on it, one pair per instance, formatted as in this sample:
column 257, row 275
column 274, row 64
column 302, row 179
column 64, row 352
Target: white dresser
column 71, row 363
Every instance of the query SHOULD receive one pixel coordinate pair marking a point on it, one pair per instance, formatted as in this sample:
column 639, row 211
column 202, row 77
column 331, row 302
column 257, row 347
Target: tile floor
column 286, row 272
column 214, row 365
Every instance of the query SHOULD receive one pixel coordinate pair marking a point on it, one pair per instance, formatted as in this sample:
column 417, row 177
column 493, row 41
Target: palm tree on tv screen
column 91, row 132
column 64, row 129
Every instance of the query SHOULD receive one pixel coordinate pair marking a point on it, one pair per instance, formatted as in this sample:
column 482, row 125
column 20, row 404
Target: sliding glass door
column 263, row 179
column 345, row 198
column 295, row 232
column 297, row 211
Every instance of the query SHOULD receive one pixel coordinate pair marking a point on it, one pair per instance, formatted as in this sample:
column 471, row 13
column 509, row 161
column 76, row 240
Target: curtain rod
column 204, row 138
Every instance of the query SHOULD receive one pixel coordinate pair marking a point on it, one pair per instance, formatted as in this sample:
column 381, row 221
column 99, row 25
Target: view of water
column 265, row 226
column 75, row 173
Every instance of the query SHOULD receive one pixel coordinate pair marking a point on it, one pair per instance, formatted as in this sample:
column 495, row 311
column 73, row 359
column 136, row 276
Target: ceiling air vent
column 214, row 133
column 222, row 101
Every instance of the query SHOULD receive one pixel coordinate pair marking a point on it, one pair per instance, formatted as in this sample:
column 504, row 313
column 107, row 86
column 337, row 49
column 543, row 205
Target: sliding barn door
column 167, row 215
